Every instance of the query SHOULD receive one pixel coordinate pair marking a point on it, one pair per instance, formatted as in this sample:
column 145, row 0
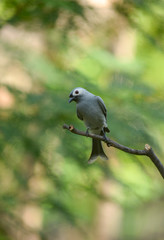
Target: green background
column 116, row 51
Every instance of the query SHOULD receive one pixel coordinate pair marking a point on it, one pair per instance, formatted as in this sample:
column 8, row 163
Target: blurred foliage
column 43, row 167
column 39, row 12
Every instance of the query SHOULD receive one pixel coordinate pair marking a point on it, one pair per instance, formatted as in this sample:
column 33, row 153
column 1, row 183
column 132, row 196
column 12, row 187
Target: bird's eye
column 76, row 92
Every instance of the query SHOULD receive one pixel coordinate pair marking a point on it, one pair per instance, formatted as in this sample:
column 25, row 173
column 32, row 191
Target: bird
column 92, row 110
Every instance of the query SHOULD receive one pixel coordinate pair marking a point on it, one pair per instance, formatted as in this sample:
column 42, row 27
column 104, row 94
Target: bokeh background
column 115, row 49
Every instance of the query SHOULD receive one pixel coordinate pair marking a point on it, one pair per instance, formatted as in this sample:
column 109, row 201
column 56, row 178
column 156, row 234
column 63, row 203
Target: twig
column 148, row 151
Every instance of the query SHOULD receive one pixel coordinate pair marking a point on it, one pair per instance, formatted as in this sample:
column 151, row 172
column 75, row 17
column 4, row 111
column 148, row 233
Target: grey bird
column 91, row 109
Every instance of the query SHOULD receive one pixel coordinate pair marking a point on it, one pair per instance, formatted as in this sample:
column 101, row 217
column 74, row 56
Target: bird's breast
column 91, row 114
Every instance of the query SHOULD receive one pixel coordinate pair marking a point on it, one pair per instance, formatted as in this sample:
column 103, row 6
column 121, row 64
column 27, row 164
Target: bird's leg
column 104, row 135
column 87, row 131
column 105, row 138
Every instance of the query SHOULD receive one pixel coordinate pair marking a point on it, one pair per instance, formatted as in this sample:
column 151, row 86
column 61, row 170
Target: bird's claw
column 108, row 144
column 106, row 140
column 87, row 132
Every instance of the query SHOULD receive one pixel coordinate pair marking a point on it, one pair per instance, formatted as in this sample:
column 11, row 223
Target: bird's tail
column 97, row 150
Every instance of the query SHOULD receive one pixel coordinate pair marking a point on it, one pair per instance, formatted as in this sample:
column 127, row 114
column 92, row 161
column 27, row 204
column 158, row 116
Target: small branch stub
column 147, row 147
column 148, row 151
column 71, row 127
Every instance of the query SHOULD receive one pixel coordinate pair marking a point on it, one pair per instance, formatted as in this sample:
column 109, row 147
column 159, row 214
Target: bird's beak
column 71, row 99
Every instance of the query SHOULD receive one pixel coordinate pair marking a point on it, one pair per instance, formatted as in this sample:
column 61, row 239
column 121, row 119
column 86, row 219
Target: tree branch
column 148, row 151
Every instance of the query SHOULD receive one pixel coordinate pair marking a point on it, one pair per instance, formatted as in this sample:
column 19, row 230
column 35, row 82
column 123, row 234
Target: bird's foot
column 106, row 139
column 108, row 144
column 87, row 132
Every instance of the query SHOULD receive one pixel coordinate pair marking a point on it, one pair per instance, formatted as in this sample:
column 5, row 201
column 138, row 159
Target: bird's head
column 76, row 94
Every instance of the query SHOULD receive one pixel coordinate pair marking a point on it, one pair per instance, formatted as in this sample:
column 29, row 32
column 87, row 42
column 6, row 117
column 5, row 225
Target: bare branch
column 148, row 151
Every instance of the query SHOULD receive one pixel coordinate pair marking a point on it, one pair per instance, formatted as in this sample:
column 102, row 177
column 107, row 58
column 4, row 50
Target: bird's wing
column 102, row 105
column 79, row 115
